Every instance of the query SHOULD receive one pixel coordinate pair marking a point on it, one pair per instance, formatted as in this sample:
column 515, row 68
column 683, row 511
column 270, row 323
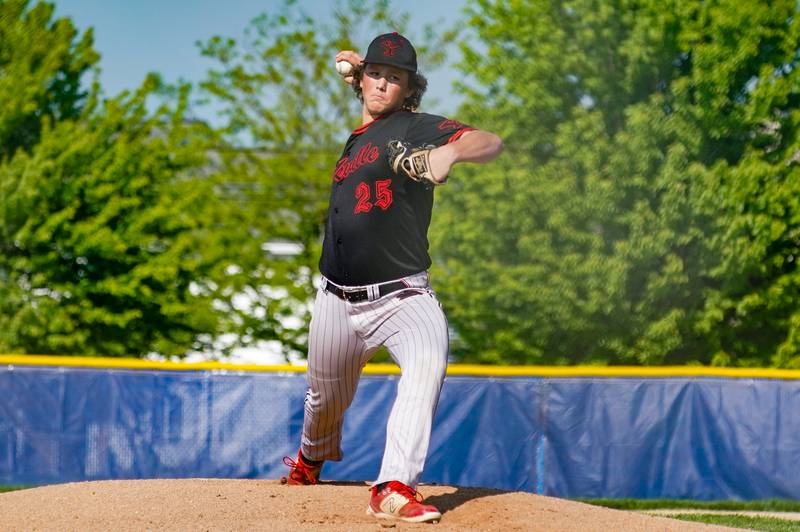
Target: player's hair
column 416, row 81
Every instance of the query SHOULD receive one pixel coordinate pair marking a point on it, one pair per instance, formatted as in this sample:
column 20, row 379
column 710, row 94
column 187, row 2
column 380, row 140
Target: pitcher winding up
column 375, row 289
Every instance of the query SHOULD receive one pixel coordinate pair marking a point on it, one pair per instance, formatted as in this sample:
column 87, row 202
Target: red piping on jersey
column 364, row 127
column 458, row 134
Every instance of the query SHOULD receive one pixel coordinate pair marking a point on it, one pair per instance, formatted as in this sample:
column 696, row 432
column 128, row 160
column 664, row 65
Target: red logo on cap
column 390, row 47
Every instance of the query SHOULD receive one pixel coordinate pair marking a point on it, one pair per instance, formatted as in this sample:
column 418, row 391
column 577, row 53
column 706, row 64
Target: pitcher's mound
column 209, row 504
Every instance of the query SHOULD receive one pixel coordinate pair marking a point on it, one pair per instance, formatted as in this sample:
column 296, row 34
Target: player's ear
column 409, row 86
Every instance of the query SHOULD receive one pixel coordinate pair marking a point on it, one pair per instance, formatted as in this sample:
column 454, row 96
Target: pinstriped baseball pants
column 343, row 337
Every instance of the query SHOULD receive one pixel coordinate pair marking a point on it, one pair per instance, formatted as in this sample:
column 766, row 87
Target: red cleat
column 398, row 501
column 302, row 473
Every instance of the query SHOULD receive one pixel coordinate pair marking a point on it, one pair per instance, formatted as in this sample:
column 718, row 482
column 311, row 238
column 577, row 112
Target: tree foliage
column 645, row 210
column 42, row 63
column 111, row 241
column 128, row 230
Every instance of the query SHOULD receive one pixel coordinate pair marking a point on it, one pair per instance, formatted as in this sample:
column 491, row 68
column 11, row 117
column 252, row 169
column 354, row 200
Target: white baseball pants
column 343, row 337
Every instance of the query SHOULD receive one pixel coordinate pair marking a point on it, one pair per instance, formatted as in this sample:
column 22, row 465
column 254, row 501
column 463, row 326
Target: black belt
column 354, row 296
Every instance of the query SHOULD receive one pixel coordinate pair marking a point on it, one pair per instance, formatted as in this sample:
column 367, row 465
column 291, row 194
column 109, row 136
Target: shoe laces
column 303, row 468
column 406, row 491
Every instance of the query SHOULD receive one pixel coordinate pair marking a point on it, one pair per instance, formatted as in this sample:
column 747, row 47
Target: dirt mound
column 211, row 504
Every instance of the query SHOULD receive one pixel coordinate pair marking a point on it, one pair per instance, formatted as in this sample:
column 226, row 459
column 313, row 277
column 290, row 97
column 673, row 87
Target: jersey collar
column 363, row 128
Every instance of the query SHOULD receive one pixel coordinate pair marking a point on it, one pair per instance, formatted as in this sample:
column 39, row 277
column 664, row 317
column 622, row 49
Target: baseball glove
column 414, row 162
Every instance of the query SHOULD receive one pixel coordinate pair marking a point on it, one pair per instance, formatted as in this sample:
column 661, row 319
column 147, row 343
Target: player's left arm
column 473, row 146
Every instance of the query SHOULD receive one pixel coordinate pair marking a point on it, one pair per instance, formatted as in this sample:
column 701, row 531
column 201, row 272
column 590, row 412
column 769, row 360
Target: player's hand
column 351, row 57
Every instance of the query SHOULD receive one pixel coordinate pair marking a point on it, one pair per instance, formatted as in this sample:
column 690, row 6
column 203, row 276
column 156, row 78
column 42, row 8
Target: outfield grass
column 765, row 524
column 12, row 488
column 766, row 505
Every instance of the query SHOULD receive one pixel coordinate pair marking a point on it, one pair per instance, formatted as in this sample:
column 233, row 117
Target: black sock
column 379, row 487
column 315, row 463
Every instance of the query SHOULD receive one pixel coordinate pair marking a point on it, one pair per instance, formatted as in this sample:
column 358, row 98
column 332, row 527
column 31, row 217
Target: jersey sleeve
column 433, row 129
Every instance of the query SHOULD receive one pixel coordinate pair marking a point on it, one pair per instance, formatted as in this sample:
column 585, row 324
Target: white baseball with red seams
column 344, row 68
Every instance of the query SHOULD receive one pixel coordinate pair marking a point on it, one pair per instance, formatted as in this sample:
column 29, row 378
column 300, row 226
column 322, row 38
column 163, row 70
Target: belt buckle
column 354, row 296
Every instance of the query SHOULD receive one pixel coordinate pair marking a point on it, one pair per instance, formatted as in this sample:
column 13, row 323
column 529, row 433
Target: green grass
column 768, row 524
column 765, row 524
column 12, row 488
column 766, row 505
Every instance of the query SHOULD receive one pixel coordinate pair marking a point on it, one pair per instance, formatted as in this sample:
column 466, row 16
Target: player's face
column 384, row 88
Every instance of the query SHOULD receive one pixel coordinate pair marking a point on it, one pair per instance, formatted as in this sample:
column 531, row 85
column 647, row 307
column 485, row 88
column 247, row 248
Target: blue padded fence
column 675, row 437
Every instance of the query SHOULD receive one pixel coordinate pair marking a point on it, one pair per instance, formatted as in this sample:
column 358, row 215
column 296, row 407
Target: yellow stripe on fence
column 391, row 369
column 136, row 363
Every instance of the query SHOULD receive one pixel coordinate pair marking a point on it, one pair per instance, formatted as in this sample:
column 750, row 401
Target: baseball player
column 375, row 289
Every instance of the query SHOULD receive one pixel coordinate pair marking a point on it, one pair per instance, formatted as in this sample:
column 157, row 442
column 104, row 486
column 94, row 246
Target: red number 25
column 382, row 193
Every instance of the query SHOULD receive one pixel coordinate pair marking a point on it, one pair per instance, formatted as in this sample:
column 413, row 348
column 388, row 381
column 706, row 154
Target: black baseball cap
column 392, row 49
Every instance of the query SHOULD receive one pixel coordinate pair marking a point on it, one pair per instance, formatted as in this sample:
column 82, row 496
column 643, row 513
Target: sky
column 135, row 37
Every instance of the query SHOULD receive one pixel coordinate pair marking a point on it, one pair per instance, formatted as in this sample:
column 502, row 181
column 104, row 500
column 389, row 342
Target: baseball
column 344, row 68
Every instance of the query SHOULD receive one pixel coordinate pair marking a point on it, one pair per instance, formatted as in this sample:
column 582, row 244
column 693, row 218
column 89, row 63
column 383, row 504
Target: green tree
column 644, row 211
column 111, row 241
column 286, row 114
column 42, row 63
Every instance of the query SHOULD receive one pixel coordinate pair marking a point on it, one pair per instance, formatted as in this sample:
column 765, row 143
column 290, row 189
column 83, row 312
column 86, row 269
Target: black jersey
column 377, row 228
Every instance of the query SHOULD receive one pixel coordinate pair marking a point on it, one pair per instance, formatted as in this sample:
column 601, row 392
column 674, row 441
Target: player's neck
column 367, row 117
